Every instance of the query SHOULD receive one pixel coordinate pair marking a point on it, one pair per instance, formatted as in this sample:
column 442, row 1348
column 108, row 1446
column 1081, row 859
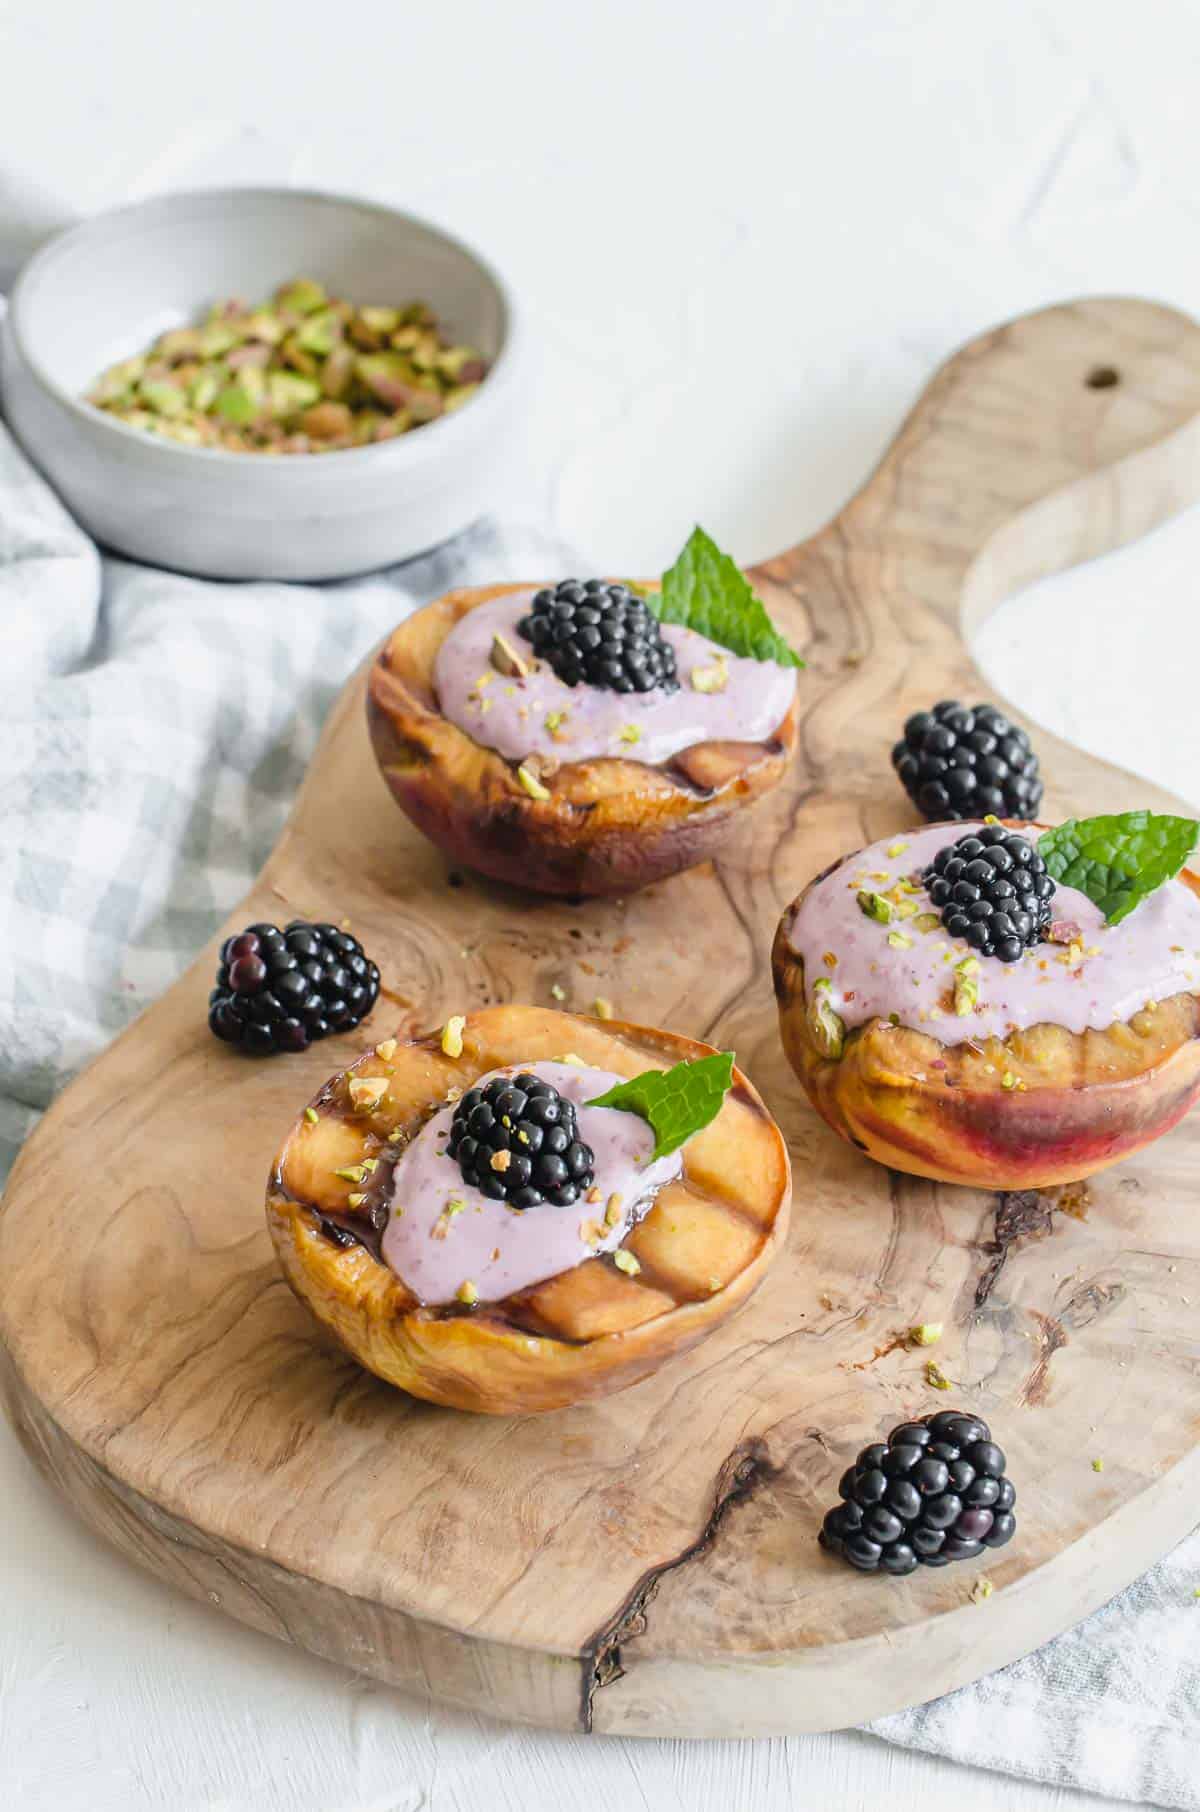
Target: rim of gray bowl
column 405, row 448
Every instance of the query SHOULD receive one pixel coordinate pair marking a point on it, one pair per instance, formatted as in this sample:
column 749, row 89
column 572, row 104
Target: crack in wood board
column 745, row 1469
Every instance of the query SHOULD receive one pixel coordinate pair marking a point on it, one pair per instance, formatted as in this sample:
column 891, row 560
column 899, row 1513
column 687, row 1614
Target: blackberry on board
column 966, row 761
column 516, row 1139
column 992, row 889
column 593, row 633
column 281, row 990
column 933, row 1492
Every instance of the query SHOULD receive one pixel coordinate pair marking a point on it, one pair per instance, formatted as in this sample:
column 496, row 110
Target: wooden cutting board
column 648, row 1564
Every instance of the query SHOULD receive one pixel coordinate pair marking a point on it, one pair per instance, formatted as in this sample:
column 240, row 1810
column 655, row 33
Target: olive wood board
column 647, row 1564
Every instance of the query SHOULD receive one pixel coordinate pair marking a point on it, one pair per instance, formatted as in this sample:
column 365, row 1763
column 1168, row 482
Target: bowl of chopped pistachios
column 263, row 383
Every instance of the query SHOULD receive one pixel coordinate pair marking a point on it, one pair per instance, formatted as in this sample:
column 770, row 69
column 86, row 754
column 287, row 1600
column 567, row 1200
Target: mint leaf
column 677, row 1102
column 1118, row 860
column 707, row 591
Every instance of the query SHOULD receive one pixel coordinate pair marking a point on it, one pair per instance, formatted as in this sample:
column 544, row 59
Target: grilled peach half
column 1042, row 1106
column 608, row 826
column 701, row 1250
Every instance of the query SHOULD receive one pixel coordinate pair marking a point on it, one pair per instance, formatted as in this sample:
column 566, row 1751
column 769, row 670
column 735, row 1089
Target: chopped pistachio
column 351, row 1173
column 625, row 1261
column 571, row 1057
column 506, row 660
column 441, row 1227
column 966, row 986
column 163, row 397
column 452, row 1035
column 367, row 1092
column 531, row 783
column 1097, row 1465
column 926, row 1333
column 612, row 1209
column 370, row 1165
column 825, row 1027
column 500, row 1160
column 1008, row 1080
column 935, row 1376
column 311, row 1115
column 250, row 379
column 557, row 992
column 554, row 721
column 602, row 1007
column 591, row 1232
column 982, row 1590
column 710, row 679
column 630, row 733
column 593, row 1194
column 875, row 906
column 386, row 1049
column 899, row 940
column 896, row 849
column 356, row 1200
column 467, row 1293
column 925, row 922
column 301, row 296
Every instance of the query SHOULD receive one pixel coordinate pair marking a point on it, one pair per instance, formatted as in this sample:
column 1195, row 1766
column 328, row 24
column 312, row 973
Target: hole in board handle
column 1103, row 377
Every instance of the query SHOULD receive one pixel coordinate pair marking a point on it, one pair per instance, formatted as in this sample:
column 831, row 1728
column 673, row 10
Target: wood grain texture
column 648, row 1563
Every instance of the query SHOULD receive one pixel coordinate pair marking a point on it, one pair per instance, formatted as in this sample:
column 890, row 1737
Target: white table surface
column 745, row 235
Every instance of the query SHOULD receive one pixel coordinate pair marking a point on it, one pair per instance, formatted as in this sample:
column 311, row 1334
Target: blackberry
column 517, row 1141
column 961, row 761
column 934, row 1492
column 991, row 888
column 600, row 635
column 281, row 990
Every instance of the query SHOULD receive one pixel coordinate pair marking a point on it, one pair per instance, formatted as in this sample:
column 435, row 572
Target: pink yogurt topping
column 510, row 715
column 1150, row 955
column 501, row 1249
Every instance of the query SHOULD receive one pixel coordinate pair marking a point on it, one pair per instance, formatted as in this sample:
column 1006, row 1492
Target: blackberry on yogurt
column 933, row 1492
column 964, row 761
column 281, row 990
column 596, row 634
column 993, row 890
column 517, row 1140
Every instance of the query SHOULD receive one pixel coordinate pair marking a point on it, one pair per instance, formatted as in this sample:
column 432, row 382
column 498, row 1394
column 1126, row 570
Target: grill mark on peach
column 648, row 1277
column 736, row 1211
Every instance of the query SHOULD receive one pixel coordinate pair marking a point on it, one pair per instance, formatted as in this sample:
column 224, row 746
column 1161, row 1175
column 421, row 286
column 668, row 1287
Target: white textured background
column 745, row 234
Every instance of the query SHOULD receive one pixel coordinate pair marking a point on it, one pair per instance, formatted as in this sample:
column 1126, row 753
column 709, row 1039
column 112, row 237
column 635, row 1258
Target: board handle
column 1047, row 442
column 1064, row 397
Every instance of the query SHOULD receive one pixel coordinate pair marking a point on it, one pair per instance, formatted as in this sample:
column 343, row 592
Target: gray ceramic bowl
column 100, row 291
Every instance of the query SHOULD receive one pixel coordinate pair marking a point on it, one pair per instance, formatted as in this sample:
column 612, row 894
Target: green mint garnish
column 1116, row 861
column 677, row 1102
column 707, row 591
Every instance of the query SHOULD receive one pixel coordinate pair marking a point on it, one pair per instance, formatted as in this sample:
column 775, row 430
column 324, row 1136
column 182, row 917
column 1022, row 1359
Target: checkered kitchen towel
column 153, row 731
